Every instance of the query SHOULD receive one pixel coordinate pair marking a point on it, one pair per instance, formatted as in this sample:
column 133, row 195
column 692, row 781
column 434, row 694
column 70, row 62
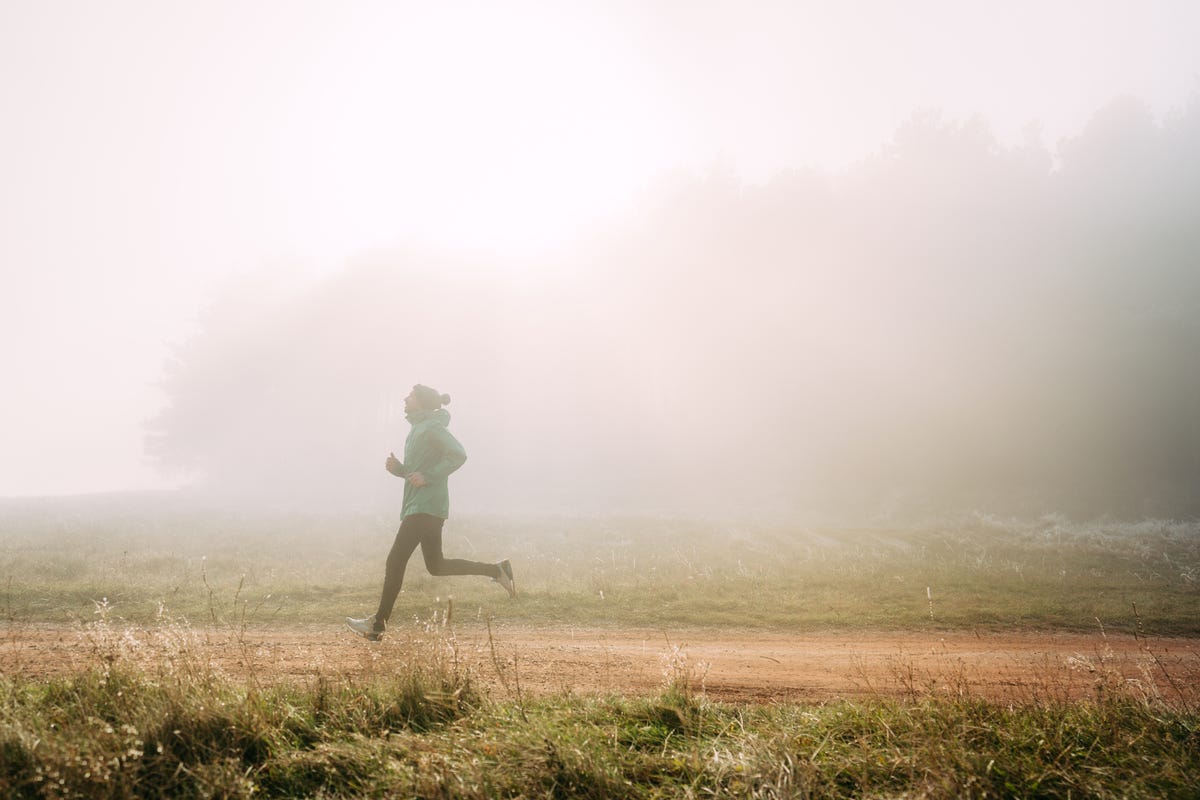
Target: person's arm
column 453, row 456
column 394, row 466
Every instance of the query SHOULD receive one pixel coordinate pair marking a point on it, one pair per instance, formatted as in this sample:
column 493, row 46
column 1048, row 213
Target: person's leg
column 437, row 564
column 407, row 539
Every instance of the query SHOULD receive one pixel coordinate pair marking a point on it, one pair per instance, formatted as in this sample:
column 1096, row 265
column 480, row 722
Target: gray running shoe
column 506, row 578
column 368, row 628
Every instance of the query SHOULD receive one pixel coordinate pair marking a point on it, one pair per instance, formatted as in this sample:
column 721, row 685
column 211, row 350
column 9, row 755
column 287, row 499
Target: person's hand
column 416, row 479
column 393, row 464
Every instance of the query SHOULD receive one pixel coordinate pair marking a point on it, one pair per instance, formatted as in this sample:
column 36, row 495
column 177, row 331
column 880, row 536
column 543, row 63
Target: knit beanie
column 430, row 398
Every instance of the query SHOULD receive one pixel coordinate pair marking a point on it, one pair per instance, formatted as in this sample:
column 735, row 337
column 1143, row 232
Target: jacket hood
column 440, row 418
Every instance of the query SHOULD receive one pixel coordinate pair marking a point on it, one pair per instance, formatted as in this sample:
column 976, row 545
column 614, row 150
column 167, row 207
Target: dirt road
column 726, row 665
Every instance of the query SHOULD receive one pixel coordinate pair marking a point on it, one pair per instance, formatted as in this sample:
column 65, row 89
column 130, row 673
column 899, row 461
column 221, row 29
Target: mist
column 949, row 325
column 767, row 259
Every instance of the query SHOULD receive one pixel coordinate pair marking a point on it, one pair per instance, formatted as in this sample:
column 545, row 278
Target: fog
column 949, row 325
column 778, row 261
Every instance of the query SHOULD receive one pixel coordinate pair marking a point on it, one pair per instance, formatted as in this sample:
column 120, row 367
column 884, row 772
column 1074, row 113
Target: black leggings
column 424, row 530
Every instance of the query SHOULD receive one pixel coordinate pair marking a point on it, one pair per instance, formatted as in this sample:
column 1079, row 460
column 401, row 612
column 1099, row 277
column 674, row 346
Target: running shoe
column 505, row 578
column 368, row 628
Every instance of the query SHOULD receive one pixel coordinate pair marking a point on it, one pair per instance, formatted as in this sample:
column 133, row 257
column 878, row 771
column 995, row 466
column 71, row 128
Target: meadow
column 57, row 561
column 427, row 725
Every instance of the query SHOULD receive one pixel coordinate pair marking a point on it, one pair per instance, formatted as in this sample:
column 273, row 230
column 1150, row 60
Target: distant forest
column 949, row 325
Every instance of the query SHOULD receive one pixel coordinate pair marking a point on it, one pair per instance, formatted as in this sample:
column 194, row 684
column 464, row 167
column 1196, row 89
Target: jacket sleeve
column 453, row 455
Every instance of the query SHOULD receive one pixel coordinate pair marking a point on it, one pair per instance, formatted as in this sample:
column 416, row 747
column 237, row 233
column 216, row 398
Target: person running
column 431, row 453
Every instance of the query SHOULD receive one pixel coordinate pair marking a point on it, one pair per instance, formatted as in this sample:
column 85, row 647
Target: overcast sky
column 151, row 150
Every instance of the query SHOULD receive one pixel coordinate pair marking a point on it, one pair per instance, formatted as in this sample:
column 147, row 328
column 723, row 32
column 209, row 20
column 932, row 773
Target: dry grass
column 148, row 713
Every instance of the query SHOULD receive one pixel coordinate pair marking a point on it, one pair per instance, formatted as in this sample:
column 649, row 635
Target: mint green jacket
column 431, row 450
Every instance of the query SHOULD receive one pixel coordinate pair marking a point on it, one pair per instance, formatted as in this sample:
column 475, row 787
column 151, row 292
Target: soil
column 725, row 665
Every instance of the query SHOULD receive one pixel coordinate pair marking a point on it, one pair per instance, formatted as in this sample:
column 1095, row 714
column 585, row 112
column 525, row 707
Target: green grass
column 427, row 731
column 283, row 569
column 422, row 725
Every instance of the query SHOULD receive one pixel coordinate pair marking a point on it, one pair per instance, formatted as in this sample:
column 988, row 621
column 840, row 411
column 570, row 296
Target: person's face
column 411, row 403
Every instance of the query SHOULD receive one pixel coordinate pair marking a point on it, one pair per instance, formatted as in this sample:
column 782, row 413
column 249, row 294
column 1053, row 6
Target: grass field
column 430, row 728
column 57, row 563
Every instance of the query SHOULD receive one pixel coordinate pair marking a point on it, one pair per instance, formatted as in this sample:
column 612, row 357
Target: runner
column 431, row 453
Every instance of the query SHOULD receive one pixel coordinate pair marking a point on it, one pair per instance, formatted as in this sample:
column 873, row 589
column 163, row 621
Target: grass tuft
column 337, row 739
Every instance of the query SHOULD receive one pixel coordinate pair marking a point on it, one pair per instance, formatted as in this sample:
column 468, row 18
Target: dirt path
column 730, row 666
